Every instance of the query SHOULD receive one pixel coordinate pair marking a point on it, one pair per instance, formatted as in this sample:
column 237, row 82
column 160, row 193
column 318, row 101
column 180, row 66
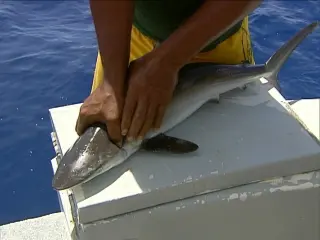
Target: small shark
column 94, row 153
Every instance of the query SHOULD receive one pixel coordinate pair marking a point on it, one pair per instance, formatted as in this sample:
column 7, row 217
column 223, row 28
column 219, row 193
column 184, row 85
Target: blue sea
column 47, row 57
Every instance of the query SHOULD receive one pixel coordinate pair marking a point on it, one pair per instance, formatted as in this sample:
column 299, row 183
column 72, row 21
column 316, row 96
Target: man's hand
column 150, row 89
column 104, row 105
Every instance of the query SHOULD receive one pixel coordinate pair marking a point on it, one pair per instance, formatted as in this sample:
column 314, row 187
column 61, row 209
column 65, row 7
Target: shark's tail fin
column 276, row 61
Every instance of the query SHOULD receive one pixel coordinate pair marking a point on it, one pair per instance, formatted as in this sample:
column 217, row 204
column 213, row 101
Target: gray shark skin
column 93, row 153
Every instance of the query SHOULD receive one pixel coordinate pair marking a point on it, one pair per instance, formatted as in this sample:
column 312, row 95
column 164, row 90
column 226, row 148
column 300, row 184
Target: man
column 157, row 38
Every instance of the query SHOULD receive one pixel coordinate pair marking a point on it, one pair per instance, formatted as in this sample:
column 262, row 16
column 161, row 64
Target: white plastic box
column 254, row 176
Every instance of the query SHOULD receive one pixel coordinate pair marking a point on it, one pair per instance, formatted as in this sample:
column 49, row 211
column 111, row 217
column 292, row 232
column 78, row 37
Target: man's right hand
column 104, row 105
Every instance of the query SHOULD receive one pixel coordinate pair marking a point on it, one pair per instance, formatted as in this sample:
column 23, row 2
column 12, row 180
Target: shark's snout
column 74, row 170
column 59, row 182
column 88, row 154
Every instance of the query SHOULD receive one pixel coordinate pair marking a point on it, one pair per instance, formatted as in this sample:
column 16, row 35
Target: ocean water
column 47, row 58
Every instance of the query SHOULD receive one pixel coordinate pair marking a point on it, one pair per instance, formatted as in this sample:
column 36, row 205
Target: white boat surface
column 256, row 175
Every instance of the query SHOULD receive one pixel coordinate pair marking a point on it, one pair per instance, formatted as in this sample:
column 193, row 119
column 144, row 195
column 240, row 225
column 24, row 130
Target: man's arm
column 113, row 23
column 211, row 20
column 152, row 80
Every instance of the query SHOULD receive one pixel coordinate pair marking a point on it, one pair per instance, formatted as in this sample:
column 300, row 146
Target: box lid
column 249, row 136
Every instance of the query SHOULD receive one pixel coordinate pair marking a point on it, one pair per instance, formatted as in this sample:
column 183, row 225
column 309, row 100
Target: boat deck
column 49, row 227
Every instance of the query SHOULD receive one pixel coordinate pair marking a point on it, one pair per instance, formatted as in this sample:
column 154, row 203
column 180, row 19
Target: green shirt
column 157, row 19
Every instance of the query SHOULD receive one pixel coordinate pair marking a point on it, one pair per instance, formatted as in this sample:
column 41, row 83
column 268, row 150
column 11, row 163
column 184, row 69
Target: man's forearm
column 113, row 23
column 211, row 20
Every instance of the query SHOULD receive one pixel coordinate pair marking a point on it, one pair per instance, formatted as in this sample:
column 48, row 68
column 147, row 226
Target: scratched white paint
column 274, row 181
column 257, row 194
column 188, row 179
column 286, row 188
column 301, row 177
column 279, row 182
column 243, row 196
column 233, row 196
column 175, row 184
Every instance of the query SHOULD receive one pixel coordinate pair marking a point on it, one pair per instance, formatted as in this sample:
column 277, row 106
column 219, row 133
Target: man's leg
column 235, row 50
column 139, row 46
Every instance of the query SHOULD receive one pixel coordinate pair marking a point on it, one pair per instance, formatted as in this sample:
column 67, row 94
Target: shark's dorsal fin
column 164, row 143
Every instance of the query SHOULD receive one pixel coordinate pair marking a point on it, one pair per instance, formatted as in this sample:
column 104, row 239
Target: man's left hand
column 150, row 89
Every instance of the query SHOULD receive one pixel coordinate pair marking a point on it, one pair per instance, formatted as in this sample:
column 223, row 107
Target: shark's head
column 89, row 153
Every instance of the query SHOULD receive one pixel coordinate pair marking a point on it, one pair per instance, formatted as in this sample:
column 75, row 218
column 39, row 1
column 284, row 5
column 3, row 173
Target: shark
column 93, row 153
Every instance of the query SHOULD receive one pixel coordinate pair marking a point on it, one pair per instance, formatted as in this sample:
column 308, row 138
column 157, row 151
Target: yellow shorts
column 234, row 50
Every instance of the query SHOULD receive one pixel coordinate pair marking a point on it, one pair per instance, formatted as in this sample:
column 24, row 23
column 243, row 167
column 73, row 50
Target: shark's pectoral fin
column 164, row 143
